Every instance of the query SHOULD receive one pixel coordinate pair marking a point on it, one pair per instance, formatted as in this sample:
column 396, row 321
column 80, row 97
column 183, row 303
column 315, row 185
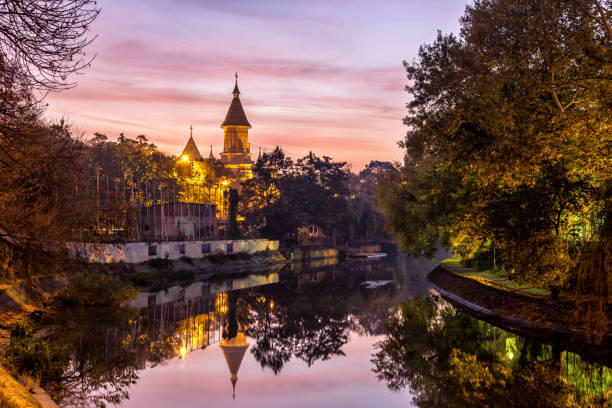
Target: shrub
column 96, row 288
column 155, row 280
column 38, row 359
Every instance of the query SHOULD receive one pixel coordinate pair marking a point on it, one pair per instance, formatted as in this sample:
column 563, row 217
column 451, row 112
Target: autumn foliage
column 510, row 137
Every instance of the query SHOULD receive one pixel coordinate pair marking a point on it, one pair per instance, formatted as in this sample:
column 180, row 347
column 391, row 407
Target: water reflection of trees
column 309, row 329
column 106, row 348
column 312, row 315
column 308, row 316
column 449, row 358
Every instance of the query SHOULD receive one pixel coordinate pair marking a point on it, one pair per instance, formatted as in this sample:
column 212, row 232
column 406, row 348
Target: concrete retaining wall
column 136, row 252
column 306, row 253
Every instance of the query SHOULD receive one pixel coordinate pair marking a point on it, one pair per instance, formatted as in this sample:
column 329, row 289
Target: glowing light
column 510, row 355
column 224, row 182
column 271, row 304
column 185, row 158
column 183, row 351
column 221, row 303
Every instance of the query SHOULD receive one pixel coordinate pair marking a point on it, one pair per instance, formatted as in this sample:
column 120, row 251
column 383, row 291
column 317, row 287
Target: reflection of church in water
column 196, row 323
column 200, row 315
column 235, row 160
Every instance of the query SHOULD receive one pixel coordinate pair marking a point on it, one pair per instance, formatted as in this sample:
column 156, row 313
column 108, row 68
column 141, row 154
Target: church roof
column 191, row 150
column 235, row 114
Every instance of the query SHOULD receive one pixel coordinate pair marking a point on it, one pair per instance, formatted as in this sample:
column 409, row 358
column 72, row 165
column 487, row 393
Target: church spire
column 236, row 92
column 211, row 156
column 191, row 152
column 235, row 114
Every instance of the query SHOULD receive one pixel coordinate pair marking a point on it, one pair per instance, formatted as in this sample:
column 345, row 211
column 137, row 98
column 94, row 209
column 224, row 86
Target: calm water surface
column 327, row 335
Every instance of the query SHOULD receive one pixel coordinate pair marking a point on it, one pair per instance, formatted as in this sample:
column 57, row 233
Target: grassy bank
column 580, row 327
column 13, row 394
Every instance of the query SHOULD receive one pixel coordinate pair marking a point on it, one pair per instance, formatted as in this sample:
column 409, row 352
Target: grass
column 97, row 287
column 13, row 394
column 35, row 360
column 159, row 279
column 452, row 263
column 492, row 279
column 497, row 279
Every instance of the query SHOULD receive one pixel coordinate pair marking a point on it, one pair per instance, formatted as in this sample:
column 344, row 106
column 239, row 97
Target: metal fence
column 130, row 208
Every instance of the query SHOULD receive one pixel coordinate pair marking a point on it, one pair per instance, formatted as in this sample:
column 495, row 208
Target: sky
column 203, row 379
column 318, row 75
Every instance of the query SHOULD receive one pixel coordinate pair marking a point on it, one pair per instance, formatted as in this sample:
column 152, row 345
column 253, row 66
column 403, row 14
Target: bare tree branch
column 43, row 41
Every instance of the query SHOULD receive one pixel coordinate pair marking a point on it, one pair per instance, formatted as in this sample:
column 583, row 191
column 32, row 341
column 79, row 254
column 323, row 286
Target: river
column 354, row 334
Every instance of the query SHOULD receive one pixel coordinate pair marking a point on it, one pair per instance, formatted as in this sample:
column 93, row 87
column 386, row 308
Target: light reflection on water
column 314, row 337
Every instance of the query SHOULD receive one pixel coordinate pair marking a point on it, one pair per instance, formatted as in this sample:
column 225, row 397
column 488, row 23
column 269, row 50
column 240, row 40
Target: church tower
column 236, row 153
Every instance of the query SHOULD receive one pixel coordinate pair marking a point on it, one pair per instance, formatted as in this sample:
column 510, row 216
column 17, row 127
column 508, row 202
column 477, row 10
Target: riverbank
column 18, row 299
column 162, row 273
column 577, row 326
column 13, row 394
column 19, row 302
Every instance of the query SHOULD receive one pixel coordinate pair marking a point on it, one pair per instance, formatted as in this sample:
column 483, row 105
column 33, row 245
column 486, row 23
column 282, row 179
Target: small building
column 178, row 221
column 311, row 231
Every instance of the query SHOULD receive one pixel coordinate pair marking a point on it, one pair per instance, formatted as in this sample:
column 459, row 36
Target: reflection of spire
column 233, row 351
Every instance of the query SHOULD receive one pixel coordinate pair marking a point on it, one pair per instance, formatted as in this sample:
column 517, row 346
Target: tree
column 233, row 229
column 43, row 42
column 38, row 210
column 509, row 126
column 284, row 195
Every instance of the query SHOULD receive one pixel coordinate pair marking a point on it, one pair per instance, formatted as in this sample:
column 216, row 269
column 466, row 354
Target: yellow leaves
column 474, row 378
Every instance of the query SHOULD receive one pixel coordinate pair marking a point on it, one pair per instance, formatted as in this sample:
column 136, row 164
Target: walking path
column 493, row 279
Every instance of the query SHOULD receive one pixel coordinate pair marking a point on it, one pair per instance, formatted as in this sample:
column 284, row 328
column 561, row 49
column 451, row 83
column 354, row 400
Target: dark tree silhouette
column 43, row 41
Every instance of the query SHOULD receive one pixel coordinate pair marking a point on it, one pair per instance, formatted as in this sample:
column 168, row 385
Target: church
column 236, row 156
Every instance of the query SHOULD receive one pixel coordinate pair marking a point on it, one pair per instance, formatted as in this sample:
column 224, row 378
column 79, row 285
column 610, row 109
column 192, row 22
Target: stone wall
column 136, row 252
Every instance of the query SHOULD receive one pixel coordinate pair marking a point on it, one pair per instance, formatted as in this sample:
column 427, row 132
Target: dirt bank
column 13, row 394
column 579, row 328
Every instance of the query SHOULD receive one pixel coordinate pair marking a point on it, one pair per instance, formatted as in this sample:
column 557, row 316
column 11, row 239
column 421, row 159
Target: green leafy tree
column 284, row 195
column 233, row 231
column 509, row 136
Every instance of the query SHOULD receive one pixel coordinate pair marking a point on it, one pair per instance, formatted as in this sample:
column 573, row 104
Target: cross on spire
column 236, row 91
